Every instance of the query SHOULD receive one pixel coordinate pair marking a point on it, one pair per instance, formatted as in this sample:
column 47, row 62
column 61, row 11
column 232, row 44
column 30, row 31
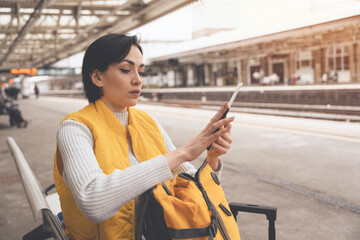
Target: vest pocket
column 225, row 210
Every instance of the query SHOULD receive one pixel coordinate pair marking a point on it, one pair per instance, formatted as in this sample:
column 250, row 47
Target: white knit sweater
column 99, row 196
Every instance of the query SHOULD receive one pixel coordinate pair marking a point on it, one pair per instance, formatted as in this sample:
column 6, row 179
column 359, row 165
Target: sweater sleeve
column 185, row 167
column 99, row 196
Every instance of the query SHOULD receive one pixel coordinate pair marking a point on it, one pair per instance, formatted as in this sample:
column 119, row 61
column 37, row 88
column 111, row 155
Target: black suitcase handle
column 270, row 213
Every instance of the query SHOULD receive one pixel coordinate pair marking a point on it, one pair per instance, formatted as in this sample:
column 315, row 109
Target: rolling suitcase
column 270, row 213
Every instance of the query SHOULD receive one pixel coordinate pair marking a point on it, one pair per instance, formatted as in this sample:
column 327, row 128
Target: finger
column 223, row 143
column 227, row 137
column 221, row 111
column 219, row 124
column 216, row 135
column 219, row 133
column 227, row 124
column 217, row 116
column 219, row 149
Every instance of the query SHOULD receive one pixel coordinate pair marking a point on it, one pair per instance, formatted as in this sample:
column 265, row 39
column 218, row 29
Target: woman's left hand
column 220, row 147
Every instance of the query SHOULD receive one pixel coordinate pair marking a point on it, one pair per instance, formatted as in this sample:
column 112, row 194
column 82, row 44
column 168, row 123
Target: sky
column 240, row 14
column 246, row 15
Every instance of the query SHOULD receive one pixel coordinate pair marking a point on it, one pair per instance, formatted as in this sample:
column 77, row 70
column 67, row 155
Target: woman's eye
column 143, row 74
column 124, row 70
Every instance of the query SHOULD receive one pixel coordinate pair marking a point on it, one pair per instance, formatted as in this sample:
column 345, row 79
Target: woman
column 108, row 153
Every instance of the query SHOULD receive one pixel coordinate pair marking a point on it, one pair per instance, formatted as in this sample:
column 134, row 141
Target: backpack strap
column 216, row 215
column 195, row 232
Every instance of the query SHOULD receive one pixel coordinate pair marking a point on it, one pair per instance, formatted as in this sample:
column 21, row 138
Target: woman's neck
column 123, row 117
column 114, row 107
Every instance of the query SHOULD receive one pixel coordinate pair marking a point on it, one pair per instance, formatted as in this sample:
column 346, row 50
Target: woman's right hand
column 198, row 144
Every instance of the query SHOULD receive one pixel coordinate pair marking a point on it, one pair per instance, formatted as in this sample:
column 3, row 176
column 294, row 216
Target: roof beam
column 34, row 16
column 147, row 13
column 64, row 6
column 38, row 33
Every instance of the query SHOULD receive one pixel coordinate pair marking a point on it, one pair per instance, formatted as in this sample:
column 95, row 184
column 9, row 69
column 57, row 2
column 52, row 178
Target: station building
column 298, row 54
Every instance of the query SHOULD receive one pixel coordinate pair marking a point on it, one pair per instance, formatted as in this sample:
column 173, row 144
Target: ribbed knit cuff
column 160, row 166
column 221, row 166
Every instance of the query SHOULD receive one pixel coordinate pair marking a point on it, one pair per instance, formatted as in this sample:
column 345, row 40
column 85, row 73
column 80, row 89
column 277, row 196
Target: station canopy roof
column 38, row 33
column 250, row 34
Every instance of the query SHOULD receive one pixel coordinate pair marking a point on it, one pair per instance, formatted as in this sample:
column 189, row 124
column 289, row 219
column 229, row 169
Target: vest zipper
column 134, row 209
column 132, row 147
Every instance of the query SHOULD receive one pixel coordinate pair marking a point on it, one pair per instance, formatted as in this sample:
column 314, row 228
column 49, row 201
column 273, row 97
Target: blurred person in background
column 109, row 153
column 3, row 108
column 333, row 75
column 12, row 92
column 36, row 90
column 15, row 116
column 274, row 78
column 324, row 78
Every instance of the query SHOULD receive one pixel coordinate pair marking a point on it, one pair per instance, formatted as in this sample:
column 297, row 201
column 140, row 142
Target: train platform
column 338, row 113
column 340, row 102
column 298, row 215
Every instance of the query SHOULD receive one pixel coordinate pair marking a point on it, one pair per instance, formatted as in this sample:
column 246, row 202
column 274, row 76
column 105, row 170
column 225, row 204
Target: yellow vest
column 111, row 151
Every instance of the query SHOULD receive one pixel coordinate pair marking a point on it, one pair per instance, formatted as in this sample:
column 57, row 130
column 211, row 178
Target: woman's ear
column 96, row 78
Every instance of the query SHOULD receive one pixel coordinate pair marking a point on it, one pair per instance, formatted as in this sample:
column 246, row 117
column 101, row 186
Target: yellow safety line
column 314, row 134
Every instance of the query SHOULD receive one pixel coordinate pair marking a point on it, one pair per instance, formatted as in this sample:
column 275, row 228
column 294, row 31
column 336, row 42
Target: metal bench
column 47, row 206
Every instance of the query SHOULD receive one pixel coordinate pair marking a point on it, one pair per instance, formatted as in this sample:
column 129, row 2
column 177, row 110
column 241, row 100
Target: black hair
column 103, row 52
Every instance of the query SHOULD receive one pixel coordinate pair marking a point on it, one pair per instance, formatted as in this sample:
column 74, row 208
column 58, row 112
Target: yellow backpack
column 187, row 208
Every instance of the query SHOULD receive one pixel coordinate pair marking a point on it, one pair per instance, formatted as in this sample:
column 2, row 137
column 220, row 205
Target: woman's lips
column 135, row 92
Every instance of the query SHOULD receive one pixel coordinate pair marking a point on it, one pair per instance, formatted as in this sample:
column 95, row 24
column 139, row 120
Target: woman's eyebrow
column 132, row 63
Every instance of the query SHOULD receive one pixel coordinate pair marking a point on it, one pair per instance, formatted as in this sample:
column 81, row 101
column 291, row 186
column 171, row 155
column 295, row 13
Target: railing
column 36, row 197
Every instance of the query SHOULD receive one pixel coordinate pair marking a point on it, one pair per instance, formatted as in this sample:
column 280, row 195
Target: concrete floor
column 319, row 156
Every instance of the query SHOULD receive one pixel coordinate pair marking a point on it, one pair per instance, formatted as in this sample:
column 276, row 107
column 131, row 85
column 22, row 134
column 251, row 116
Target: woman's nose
column 137, row 79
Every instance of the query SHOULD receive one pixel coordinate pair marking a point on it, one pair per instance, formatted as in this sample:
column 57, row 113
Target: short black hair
column 103, row 52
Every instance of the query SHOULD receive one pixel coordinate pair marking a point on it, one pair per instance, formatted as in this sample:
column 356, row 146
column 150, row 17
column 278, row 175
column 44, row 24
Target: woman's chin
column 132, row 103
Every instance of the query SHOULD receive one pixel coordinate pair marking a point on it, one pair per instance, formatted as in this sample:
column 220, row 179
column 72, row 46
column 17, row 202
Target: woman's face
column 122, row 82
